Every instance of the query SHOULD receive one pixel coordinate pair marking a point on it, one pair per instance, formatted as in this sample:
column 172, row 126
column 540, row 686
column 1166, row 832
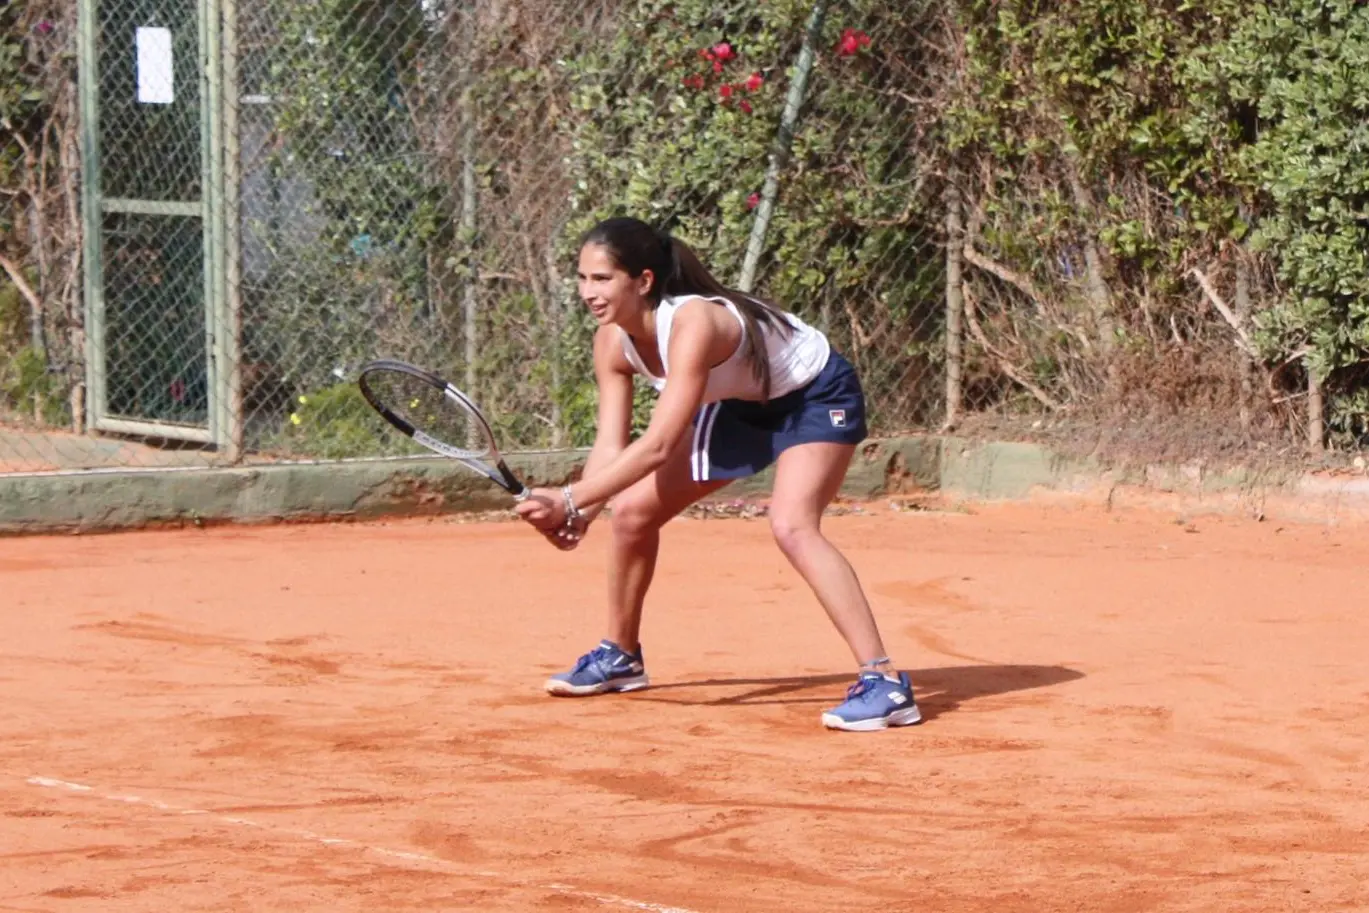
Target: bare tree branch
column 859, row 337
column 17, row 277
column 1004, row 364
column 1243, row 339
column 1015, row 279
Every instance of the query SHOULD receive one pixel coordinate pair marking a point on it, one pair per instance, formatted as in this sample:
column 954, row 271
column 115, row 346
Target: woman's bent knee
column 792, row 533
column 635, row 516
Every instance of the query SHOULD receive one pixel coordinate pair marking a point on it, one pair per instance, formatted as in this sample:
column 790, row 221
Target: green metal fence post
column 87, row 38
column 228, row 341
column 211, row 170
column 784, row 140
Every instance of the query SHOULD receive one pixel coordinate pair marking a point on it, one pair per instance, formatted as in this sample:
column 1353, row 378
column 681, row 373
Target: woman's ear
column 645, row 283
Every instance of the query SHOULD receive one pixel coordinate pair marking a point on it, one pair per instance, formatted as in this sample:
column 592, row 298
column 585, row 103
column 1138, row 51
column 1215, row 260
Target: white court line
column 421, row 858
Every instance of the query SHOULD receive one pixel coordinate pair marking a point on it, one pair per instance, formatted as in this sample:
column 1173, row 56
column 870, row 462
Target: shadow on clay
column 939, row 690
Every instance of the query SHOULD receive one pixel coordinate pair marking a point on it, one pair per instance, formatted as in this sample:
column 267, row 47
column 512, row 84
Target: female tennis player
column 748, row 385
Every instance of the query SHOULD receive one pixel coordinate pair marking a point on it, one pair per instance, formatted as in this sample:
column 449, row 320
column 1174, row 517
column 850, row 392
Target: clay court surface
column 1124, row 713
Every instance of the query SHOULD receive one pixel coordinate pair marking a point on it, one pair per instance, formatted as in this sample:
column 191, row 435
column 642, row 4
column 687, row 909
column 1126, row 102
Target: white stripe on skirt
column 703, row 436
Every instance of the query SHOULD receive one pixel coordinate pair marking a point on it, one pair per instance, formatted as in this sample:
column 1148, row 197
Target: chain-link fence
column 276, row 191
column 356, row 178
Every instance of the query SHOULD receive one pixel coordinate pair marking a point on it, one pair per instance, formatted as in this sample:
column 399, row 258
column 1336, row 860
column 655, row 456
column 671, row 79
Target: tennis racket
column 437, row 415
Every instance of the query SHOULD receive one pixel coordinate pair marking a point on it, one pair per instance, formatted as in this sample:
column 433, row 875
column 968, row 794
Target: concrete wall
column 945, row 468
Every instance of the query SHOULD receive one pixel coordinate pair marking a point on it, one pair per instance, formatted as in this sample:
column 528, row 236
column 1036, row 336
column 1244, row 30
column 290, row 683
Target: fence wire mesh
column 410, row 180
column 287, row 189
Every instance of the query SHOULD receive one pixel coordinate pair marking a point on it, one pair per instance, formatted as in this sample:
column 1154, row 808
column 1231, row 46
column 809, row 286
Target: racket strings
column 431, row 411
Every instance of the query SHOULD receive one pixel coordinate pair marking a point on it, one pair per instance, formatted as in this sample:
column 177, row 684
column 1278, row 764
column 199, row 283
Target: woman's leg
column 639, row 512
column 638, row 515
column 807, row 478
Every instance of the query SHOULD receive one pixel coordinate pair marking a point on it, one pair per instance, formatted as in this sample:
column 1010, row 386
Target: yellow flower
column 294, row 418
column 303, row 400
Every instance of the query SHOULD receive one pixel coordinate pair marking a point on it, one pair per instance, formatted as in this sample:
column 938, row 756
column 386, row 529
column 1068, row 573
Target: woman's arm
column 691, row 342
column 613, row 375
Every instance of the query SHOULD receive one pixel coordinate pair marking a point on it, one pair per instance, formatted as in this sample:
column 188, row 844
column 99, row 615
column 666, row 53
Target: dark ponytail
column 637, row 247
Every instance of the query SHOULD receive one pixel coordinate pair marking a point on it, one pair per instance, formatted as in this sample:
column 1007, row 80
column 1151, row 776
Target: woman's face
column 611, row 295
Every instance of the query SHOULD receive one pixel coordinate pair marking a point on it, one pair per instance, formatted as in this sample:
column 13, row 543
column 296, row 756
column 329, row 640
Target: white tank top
column 795, row 359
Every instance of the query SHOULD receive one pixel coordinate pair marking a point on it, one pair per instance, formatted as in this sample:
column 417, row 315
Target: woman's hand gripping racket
column 434, row 413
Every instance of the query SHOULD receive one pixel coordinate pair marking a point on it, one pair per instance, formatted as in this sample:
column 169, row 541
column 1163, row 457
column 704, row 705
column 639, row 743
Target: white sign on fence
column 154, row 67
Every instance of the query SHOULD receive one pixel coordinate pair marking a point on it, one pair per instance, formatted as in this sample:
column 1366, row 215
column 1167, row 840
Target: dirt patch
column 1123, row 712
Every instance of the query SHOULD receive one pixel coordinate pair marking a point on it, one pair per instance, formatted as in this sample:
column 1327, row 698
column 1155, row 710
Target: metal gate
column 158, row 218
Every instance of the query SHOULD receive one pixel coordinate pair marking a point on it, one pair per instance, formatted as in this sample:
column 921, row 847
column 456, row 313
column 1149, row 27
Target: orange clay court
column 1125, row 712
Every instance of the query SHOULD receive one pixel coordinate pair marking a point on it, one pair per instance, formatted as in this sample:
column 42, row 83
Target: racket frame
column 496, row 471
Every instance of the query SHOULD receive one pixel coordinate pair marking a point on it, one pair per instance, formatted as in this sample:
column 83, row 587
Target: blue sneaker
column 605, row 668
column 875, row 702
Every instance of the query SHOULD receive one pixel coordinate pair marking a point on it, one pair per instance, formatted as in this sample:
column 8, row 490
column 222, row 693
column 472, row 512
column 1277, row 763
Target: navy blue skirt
column 736, row 438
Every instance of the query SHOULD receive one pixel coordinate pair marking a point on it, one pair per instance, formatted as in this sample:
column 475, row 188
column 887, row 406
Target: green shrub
column 336, row 422
column 30, row 390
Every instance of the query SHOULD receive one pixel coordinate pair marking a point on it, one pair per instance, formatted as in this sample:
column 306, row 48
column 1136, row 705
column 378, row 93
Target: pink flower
column 852, row 40
column 723, row 51
column 725, row 92
column 44, row 27
column 754, row 82
column 753, row 201
column 717, row 66
column 745, row 106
